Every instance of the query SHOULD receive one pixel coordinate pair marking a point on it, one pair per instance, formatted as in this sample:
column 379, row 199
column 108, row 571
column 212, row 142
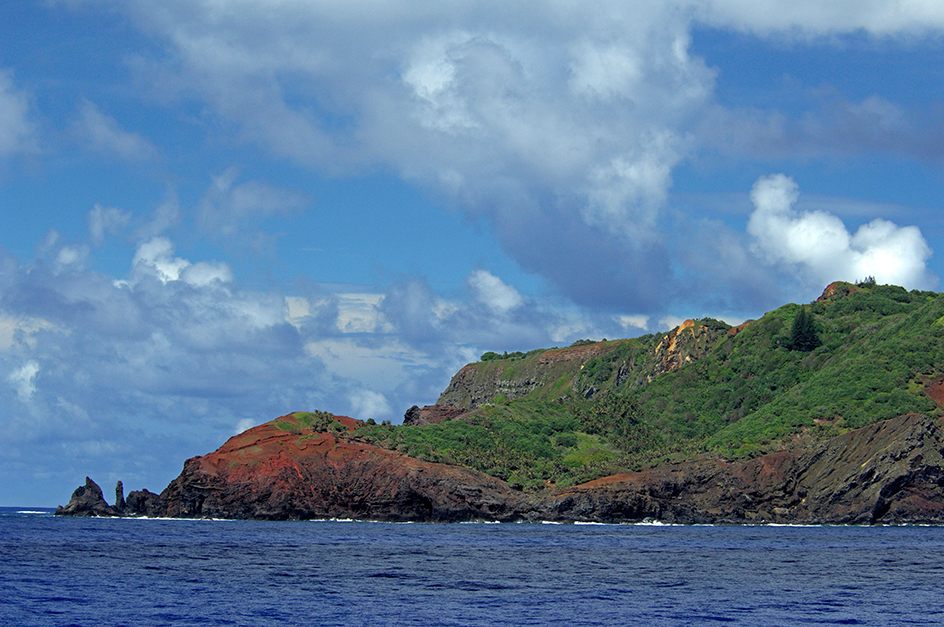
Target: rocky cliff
column 430, row 415
column 888, row 473
column 88, row 501
column 584, row 370
column 286, row 470
column 481, row 383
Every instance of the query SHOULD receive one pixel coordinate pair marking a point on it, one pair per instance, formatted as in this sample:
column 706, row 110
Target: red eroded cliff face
column 281, row 470
column 891, row 472
column 837, row 289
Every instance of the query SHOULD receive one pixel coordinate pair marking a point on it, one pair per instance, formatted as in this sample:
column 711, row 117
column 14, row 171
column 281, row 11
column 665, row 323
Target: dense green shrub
column 319, row 421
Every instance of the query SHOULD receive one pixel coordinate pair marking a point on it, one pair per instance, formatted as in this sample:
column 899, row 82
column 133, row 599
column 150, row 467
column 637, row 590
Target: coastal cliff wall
column 282, row 470
column 888, row 473
column 585, row 370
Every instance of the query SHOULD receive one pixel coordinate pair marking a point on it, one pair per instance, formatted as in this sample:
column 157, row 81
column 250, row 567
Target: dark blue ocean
column 90, row 572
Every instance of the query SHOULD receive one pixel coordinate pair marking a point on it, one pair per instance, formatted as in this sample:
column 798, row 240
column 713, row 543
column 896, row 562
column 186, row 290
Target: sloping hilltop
column 827, row 412
column 564, row 416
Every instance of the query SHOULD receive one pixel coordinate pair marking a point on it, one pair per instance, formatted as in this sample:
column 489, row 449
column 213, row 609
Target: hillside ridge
column 572, row 433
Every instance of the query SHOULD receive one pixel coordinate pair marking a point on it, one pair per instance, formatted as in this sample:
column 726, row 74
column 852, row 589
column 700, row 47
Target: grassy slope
column 747, row 395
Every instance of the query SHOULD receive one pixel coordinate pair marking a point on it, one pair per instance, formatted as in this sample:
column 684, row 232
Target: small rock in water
column 87, row 500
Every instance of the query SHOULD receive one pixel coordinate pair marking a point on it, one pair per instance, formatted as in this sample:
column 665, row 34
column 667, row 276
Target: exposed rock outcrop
column 625, row 363
column 480, row 383
column 888, row 473
column 682, row 345
column 279, row 470
column 87, row 500
column 835, row 290
column 144, row 503
column 119, row 496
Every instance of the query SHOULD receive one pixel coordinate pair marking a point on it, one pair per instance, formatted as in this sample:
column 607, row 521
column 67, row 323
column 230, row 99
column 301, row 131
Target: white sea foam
column 168, row 518
column 362, row 521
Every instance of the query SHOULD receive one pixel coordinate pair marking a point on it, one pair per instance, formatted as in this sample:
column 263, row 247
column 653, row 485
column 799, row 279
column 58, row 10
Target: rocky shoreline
column 891, row 472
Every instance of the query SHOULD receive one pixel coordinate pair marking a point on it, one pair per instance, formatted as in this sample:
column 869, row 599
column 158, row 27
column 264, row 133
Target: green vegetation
column 319, row 421
column 861, row 355
column 311, row 422
column 506, row 356
column 525, row 442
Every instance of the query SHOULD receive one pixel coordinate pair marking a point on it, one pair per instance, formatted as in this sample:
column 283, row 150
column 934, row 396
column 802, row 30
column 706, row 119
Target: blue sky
column 214, row 213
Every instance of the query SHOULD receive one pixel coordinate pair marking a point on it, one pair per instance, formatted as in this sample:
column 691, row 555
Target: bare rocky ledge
column 891, row 472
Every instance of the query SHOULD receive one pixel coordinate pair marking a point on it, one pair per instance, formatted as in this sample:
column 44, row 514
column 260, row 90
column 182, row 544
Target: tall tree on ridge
column 803, row 335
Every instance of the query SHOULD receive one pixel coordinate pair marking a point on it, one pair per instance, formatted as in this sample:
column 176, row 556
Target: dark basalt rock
column 891, row 472
column 119, row 496
column 144, row 503
column 87, row 500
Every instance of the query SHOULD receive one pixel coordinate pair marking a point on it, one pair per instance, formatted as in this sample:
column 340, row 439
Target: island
column 824, row 413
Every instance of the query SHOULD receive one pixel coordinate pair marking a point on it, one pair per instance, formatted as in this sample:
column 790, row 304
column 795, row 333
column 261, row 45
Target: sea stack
column 120, row 497
column 87, row 500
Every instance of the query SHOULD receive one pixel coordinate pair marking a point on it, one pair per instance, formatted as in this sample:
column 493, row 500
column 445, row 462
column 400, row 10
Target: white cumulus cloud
column 369, row 404
column 819, row 247
column 155, row 257
column 559, row 125
column 493, row 292
column 205, row 273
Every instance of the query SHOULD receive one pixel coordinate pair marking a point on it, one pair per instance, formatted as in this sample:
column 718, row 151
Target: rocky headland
column 720, row 424
column 282, row 470
column 888, row 473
